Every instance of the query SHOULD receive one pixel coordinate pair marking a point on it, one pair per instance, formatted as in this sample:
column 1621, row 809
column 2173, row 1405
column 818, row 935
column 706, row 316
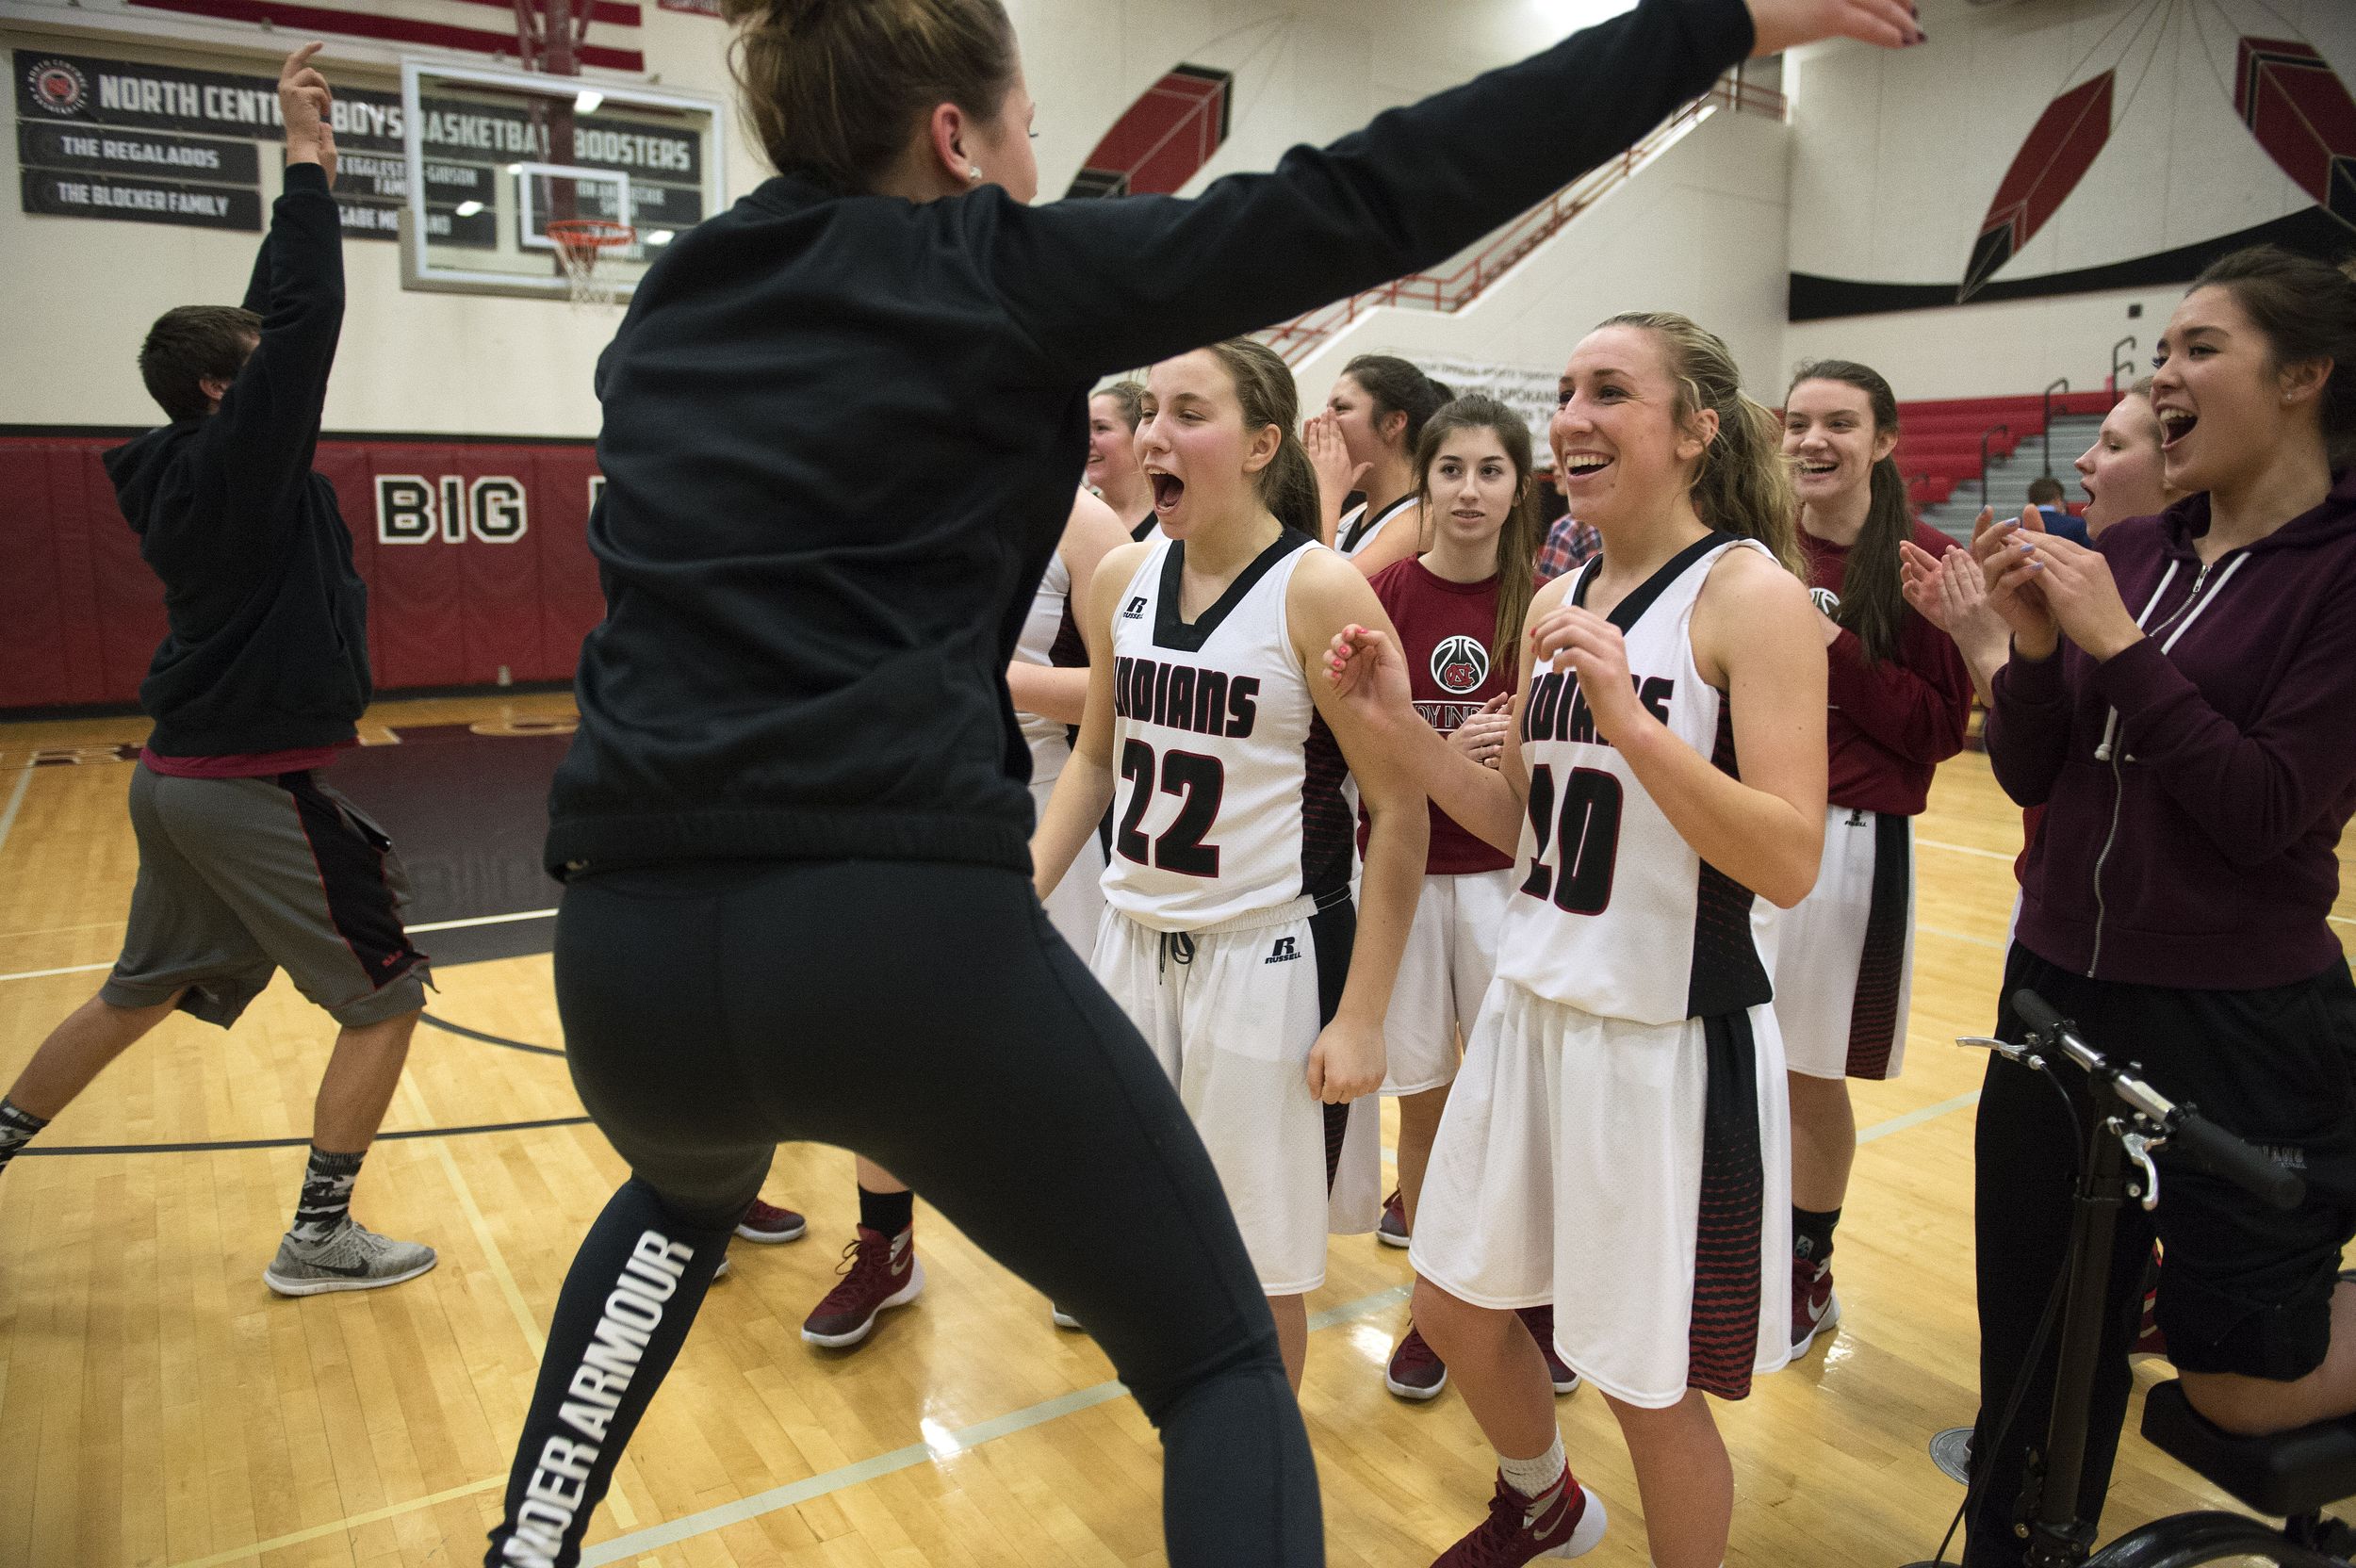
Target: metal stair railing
column 1298, row 338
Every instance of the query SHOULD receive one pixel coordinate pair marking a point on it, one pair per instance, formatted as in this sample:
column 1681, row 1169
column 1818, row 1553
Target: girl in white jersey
column 1366, row 440
column 1617, row 1136
column 1047, row 682
column 1229, row 940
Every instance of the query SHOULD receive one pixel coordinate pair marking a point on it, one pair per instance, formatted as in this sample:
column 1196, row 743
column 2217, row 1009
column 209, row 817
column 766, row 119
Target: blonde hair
column 1741, row 484
column 835, row 88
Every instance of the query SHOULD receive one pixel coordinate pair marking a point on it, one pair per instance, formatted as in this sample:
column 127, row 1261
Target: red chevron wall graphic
column 2301, row 114
column 2060, row 147
column 1164, row 138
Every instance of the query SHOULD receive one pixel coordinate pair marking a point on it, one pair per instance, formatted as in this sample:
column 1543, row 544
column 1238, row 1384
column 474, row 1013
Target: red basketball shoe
column 1567, row 1522
column 878, row 1271
column 767, row 1223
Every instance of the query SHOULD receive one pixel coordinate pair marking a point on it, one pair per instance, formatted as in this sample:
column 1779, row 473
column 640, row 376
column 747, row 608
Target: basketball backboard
column 493, row 156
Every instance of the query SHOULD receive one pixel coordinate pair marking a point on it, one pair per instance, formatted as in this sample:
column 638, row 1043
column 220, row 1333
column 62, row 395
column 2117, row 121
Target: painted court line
column 8, row 819
column 16, row 804
column 45, row 974
column 482, row 920
column 939, row 1443
column 1961, row 936
column 1965, row 849
column 1916, row 1118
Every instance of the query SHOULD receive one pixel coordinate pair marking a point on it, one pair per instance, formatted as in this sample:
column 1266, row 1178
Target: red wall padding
column 81, row 614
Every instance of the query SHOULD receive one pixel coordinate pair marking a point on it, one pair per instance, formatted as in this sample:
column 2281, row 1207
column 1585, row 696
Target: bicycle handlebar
column 2238, row 1163
column 2221, row 1152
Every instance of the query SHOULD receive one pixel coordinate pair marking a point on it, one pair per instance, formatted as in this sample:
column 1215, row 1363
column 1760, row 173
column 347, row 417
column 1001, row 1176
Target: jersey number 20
column 1197, row 779
column 1587, row 847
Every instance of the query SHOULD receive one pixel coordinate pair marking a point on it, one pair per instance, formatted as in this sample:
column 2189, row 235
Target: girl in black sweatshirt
column 794, row 819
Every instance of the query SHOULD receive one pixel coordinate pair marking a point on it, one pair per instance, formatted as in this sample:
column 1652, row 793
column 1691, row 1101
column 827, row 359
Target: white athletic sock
column 1535, row 1478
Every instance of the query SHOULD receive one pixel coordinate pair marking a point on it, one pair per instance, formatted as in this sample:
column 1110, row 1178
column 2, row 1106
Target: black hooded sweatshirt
column 268, row 647
column 841, row 434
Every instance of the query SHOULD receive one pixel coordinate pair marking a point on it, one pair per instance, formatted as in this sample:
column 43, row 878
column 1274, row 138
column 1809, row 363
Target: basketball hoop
column 579, row 242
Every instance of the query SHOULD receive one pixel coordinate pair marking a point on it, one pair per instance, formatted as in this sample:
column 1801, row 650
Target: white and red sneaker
column 1567, row 1522
column 1814, row 1307
column 768, row 1224
column 1540, row 1322
column 1392, row 1231
column 878, row 1271
column 1414, row 1370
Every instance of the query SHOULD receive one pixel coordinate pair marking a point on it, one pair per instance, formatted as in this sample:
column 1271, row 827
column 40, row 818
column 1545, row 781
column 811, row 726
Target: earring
column 973, row 173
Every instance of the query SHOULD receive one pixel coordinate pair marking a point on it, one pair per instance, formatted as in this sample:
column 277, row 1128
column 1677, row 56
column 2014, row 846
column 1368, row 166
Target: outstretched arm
column 1104, row 285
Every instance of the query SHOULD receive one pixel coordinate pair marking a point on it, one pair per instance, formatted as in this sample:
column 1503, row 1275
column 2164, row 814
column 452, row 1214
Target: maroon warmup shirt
column 1890, row 724
column 1444, row 630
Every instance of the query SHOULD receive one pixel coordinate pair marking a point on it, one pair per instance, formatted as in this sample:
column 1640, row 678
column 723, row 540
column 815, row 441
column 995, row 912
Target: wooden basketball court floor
column 159, row 1407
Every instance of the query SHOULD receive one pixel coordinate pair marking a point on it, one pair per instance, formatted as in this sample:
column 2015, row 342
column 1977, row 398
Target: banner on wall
column 72, row 110
column 1527, row 391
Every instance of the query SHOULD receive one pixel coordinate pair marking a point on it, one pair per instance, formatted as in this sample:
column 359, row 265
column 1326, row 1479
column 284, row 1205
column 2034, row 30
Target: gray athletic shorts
column 242, row 877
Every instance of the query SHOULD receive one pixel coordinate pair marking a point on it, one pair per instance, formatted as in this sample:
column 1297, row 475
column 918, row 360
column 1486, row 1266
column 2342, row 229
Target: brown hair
column 1872, row 604
column 1130, row 396
column 1265, row 390
column 1742, row 485
column 188, row 346
column 1395, row 387
column 2307, row 311
column 1518, row 540
column 834, row 88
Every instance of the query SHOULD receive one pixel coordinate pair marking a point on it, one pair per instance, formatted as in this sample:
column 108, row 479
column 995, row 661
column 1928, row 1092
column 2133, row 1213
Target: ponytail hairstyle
column 1130, row 395
column 1395, row 387
column 1872, row 604
column 1742, row 485
column 835, row 88
column 2307, row 311
column 1518, row 541
column 1265, row 390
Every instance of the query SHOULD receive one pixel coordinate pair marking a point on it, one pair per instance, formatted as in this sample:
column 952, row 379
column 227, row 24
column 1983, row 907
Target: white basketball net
column 589, row 288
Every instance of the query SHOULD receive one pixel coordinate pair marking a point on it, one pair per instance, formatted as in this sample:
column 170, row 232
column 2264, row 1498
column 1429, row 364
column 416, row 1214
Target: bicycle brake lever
column 2025, row 1054
column 2139, row 1146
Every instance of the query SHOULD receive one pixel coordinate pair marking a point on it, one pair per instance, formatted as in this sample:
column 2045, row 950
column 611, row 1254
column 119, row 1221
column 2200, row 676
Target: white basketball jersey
column 1356, row 531
column 1230, row 795
column 1613, row 912
column 1050, row 636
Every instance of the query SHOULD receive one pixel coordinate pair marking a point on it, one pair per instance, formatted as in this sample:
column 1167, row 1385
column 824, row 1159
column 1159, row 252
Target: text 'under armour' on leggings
column 928, row 1017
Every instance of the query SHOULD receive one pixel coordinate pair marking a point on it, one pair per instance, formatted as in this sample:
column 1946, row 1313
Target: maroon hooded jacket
column 2196, row 785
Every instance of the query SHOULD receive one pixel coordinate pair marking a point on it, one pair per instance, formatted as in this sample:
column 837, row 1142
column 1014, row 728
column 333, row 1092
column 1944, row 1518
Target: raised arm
column 1915, row 704
column 1754, row 636
column 1102, row 285
column 1365, row 666
column 268, row 423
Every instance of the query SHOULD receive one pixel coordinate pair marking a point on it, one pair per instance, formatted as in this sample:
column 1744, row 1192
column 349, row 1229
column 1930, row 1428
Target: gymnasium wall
column 1634, row 250
column 459, row 426
column 1896, row 159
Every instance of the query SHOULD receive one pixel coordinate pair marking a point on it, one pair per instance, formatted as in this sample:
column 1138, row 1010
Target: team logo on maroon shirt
column 1460, row 664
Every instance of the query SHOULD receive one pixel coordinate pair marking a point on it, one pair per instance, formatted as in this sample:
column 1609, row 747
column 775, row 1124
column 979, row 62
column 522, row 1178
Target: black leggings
column 928, row 1017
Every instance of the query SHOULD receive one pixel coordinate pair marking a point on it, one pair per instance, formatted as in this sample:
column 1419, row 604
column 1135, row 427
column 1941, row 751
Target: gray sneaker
column 354, row 1258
